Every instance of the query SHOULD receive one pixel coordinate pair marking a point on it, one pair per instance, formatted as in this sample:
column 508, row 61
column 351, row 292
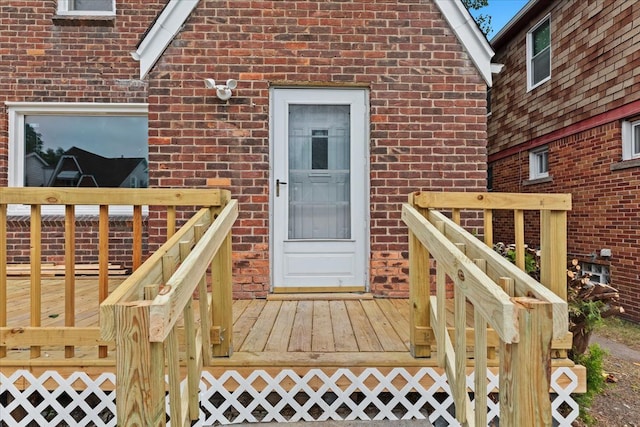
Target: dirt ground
column 619, row 405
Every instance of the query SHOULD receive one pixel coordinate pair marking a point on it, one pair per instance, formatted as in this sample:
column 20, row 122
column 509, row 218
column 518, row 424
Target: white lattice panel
column 77, row 400
column 343, row 395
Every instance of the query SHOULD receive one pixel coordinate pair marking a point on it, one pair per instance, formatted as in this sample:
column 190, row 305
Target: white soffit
column 162, row 32
column 465, row 28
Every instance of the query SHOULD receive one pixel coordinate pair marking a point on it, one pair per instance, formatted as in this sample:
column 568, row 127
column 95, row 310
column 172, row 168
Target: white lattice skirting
column 232, row 398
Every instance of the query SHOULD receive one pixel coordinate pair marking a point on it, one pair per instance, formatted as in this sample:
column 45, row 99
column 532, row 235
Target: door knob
column 278, row 184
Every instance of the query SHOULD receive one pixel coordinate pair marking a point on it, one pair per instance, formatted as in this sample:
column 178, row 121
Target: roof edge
column 468, row 33
column 162, row 32
column 530, row 9
column 176, row 12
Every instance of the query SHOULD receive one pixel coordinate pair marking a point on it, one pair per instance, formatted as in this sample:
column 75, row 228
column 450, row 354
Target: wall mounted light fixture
column 222, row 91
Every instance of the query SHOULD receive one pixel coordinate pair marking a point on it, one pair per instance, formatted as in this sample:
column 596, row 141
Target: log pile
column 589, row 302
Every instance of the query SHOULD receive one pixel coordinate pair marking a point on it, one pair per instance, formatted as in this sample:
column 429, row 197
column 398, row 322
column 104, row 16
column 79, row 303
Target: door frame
column 365, row 177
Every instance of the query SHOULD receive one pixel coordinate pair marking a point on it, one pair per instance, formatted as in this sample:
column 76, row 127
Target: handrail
column 498, row 267
column 490, row 300
column 143, row 317
column 523, row 313
column 181, row 285
column 553, row 224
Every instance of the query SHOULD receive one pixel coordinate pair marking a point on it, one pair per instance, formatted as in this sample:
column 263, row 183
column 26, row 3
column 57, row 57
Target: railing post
column 222, row 299
column 3, row 272
column 525, row 367
column 137, row 373
column 553, row 251
column 419, row 293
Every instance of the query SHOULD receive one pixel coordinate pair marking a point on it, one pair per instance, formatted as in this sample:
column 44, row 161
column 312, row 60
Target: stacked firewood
column 588, row 302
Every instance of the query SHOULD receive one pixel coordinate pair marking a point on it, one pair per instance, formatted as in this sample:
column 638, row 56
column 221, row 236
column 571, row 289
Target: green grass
column 621, row 331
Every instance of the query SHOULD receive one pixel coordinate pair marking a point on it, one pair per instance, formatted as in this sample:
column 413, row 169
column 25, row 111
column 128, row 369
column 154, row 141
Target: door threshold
column 320, row 296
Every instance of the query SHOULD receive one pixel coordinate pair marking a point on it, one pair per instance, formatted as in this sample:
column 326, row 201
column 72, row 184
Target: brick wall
column 427, row 113
column 606, row 203
column 86, row 240
column 595, row 67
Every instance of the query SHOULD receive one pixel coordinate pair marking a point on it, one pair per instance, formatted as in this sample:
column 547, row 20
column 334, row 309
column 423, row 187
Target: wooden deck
column 313, row 330
column 301, row 334
column 325, row 330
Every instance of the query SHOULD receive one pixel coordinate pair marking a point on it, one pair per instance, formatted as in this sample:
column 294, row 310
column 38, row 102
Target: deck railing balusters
column 480, row 356
column 35, row 258
column 3, row 273
column 69, row 273
column 518, row 220
column 137, row 237
column 103, row 263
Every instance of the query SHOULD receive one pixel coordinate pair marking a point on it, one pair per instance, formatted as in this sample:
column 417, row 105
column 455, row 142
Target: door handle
column 278, row 184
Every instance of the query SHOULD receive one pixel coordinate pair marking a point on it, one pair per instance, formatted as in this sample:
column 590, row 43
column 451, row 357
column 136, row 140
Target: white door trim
column 359, row 103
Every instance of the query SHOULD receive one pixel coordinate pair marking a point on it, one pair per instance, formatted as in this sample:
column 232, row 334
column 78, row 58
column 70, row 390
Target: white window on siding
column 77, row 145
column 630, row 140
column 539, row 53
column 539, row 163
column 87, row 7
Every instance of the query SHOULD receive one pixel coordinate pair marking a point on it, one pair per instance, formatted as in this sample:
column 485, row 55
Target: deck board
column 301, row 330
column 399, row 323
column 364, row 332
column 239, row 307
column 322, row 331
column 387, row 336
column 281, row 332
column 345, row 339
column 242, row 327
column 259, row 333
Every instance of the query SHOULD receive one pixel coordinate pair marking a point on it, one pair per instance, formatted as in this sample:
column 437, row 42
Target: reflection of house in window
column 37, row 171
column 80, row 168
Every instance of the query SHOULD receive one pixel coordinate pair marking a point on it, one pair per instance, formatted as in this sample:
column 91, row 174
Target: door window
column 319, row 172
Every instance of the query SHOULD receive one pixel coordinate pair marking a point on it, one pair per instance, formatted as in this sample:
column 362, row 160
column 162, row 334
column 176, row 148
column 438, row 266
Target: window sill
column 537, row 181
column 625, row 164
column 84, row 20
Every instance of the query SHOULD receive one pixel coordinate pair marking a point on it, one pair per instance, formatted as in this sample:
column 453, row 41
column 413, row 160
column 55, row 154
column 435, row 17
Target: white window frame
column 534, row 162
column 629, row 151
column 17, row 112
column 530, row 84
column 65, row 9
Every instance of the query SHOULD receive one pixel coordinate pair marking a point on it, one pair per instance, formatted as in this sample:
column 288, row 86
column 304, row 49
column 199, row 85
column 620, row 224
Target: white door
column 319, row 189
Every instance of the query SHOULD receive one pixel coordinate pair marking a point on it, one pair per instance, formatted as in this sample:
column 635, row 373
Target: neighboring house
column 341, row 110
column 37, row 171
column 565, row 117
column 80, row 168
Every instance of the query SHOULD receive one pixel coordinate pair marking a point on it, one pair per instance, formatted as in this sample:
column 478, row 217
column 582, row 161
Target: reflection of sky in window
column 107, row 136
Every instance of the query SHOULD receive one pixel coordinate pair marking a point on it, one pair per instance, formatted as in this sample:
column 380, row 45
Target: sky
column 501, row 12
column 107, row 136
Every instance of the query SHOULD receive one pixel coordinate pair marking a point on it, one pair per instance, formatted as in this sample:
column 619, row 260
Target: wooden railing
column 142, row 315
column 524, row 315
column 34, row 335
